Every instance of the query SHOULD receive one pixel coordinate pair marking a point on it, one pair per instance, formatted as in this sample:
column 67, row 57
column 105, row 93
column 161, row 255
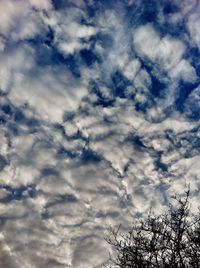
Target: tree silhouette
column 170, row 240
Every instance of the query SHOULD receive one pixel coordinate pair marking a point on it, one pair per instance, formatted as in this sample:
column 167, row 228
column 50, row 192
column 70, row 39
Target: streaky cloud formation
column 99, row 122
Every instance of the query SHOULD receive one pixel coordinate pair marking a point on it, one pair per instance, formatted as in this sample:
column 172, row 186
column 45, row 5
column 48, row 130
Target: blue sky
column 99, row 122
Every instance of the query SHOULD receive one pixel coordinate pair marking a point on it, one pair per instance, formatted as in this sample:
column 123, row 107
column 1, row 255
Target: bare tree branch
column 170, row 240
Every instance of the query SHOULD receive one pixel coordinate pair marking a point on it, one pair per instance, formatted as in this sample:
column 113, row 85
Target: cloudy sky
column 99, row 122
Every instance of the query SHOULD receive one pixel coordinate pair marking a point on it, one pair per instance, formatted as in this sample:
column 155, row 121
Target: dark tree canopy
column 170, row 240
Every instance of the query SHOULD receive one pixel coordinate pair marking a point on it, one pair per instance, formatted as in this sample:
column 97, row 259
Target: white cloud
column 72, row 228
column 53, row 90
column 166, row 52
column 15, row 65
column 68, row 32
column 14, row 210
column 18, row 21
column 85, row 255
column 103, row 164
column 41, row 4
column 187, row 7
column 132, row 69
column 193, row 28
column 142, row 80
column 70, row 129
column 146, row 41
column 192, row 104
column 2, row 44
column 184, row 71
column 186, row 169
column 114, row 47
column 169, row 53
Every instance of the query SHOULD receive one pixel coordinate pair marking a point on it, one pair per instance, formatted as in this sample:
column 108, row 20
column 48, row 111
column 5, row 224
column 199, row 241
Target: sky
column 99, row 122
